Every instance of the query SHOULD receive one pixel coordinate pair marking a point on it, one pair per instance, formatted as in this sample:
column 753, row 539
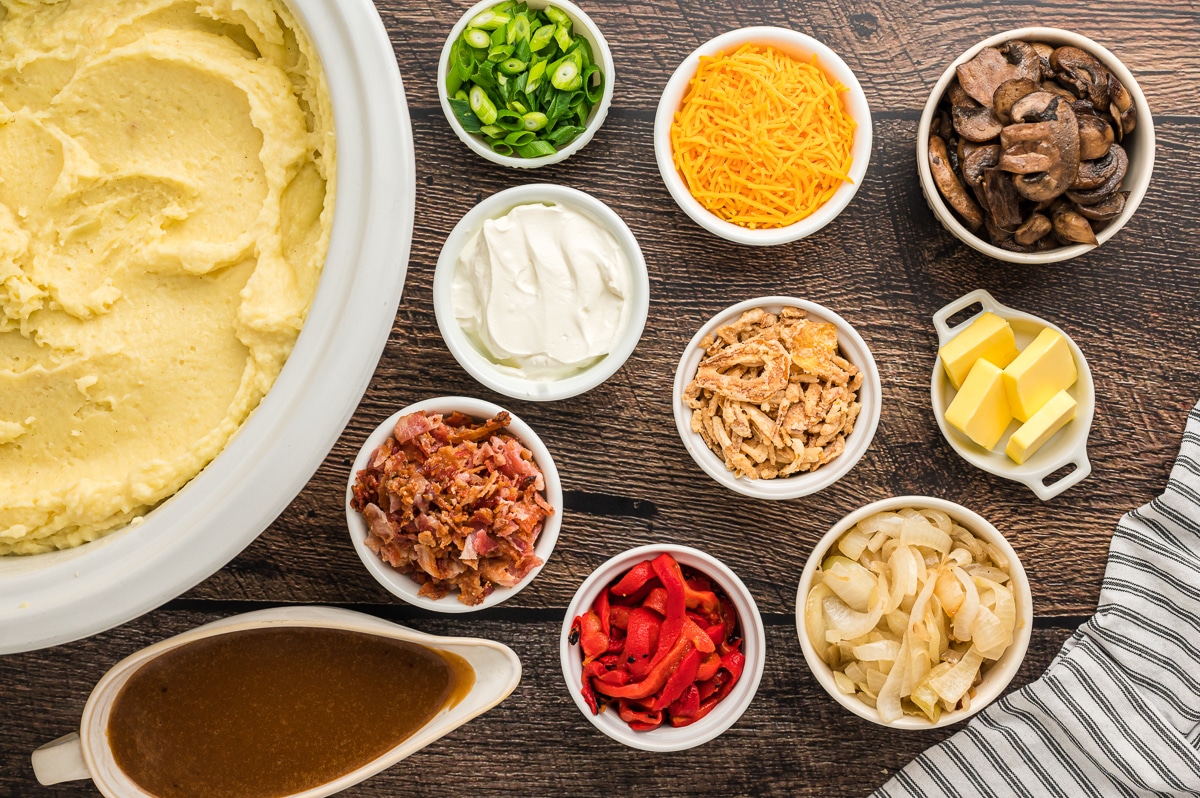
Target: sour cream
column 543, row 291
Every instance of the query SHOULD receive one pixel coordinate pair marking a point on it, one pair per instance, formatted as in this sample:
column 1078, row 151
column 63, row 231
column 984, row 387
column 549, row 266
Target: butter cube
column 1041, row 427
column 989, row 337
column 980, row 409
column 1042, row 370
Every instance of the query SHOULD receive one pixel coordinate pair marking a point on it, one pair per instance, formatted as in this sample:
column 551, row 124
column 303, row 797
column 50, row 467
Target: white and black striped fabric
column 1118, row 711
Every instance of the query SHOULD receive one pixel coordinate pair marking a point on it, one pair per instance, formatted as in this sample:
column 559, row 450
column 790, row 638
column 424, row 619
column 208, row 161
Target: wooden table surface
column 885, row 265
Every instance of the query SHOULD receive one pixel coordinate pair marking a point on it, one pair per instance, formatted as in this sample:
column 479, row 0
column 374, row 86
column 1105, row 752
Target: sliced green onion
column 510, row 120
column 536, row 73
column 566, row 76
column 535, row 120
column 562, row 35
column 519, row 138
column 501, row 147
column 477, row 38
column 515, row 105
column 518, row 28
column 557, row 16
column 462, row 96
column 594, row 91
column 542, row 37
column 536, row 149
column 494, row 131
column 464, row 115
column 512, row 66
column 490, row 20
column 483, row 107
column 500, row 53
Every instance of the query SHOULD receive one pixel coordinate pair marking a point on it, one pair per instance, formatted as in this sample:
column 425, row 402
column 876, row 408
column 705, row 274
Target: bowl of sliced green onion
column 525, row 84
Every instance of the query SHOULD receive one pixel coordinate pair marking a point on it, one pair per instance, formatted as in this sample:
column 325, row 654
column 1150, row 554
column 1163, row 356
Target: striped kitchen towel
column 1118, row 711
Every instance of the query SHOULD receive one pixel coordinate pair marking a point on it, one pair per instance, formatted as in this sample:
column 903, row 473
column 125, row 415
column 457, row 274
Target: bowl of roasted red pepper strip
column 663, row 648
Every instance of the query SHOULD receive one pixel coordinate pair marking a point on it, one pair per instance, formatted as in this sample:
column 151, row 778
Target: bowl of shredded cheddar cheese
column 763, row 136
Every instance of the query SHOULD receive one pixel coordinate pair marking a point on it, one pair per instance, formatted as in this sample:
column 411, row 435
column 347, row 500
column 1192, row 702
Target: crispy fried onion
column 774, row 397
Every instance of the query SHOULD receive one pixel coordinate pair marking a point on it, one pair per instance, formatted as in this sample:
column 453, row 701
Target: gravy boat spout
column 88, row 755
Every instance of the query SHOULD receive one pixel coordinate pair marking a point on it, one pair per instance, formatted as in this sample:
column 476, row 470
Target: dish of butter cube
column 1013, row 395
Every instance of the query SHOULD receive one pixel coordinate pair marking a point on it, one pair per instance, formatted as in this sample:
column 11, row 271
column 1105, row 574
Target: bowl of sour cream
column 541, row 292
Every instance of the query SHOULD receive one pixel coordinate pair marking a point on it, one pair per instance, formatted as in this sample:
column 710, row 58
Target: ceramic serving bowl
column 1139, row 145
column 48, row 599
column 798, row 46
column 995, row 678
column 86, row 754
column 1067, row 447
column 580, row 23
column 507, row 381
column 403, row 586
column 727, row 712
column 852, row 347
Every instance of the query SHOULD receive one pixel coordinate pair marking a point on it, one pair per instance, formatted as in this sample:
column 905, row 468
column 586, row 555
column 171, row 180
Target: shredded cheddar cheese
column 762, row 139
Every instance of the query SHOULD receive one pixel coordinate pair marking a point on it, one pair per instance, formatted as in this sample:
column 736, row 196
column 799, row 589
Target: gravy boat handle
column 60, row 760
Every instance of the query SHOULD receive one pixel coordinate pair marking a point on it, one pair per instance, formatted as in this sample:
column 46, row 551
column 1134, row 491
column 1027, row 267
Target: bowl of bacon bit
column 663, row 648
column 454, row 495
column 777, row 398
column 763, row 135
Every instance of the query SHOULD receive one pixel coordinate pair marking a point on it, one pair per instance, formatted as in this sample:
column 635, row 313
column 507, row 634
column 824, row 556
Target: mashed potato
column 166, row 196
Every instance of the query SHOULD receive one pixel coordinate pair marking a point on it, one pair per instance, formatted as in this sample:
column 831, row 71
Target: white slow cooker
column 48, row 599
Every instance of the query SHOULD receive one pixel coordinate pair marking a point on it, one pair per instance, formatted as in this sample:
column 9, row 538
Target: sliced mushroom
column 979, row 161
column 1029, row 157
column 1095, row 137
column 1024, row 57
column 949, row 185
column 1033, row 229
column 976, row 124
column 1002, row 199
column 1035, row 107
column 1069, row 226
column 1112, row 207
column 963, row 148
column 1064, row 136
column 1054, row 88
column 958, row 97
column 980, row 76
column 1108, row 170
column 1044, row 52
column 1082, row 73
column 1121, row 106
column 1007, row 93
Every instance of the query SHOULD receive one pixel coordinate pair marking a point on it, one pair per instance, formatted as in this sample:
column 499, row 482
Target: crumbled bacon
column 453, row 503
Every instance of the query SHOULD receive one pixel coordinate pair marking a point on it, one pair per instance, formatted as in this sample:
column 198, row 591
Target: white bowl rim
column 401, row 585
column 1033, row 471
column 854, row 98
column 475, row 362
column 754, row 648
column 598, row 113
column 870, row 395
column 324, row 617
column 1145, row 154
column 53, row 598
column 1000, row 673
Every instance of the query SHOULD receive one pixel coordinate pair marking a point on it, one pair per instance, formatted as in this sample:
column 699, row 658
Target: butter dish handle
column 977, row 297
column 1036, row 482
column 60, row 760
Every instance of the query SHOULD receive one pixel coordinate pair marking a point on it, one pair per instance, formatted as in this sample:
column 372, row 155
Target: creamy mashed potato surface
column 166, row 197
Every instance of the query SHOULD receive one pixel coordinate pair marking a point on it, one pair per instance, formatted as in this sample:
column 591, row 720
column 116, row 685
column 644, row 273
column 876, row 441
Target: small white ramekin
column 870, row 395
column 998, row 674
column 402, row 585
column 1139, row 145
column 477, row 364
column 580, row 23
column 727, row 712
column 799, row 46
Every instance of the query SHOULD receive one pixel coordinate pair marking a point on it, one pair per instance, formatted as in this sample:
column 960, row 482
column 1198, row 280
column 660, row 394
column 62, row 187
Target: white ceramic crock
column 86, row 755
column 48, row 599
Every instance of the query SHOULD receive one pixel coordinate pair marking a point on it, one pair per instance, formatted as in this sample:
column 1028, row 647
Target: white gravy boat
column 87, row 755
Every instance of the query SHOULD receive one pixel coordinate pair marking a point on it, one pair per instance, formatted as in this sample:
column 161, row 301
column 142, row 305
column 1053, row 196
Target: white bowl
column 724, row 714
column 48, row 599
column 998, row 674
column 582, row 24
column 799, row 46
column 852, row 347
column 479, row 365
column 87, row 755
column 1067, row 447
column 405, row 587
column 1139, row 146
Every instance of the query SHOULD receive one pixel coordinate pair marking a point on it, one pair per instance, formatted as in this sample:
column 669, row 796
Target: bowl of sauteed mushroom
column 1035, row 146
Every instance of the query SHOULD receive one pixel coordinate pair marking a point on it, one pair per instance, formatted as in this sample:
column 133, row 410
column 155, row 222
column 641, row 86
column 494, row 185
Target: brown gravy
column 263, row 713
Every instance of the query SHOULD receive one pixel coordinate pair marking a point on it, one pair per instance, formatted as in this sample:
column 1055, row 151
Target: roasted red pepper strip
column 573, row 636
column 687, row 704
column 648, row 719
column 672, row 627
column 601, row 610
column 716, row 633
column 618, row 617
column 683, row 678
column 698, row 636
column 589, row 693
column 641, row 641
column 656, row 600
column 708, row 667
column 705, row 600
column 654, row 680
column 595, row 642
column 633, row 581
